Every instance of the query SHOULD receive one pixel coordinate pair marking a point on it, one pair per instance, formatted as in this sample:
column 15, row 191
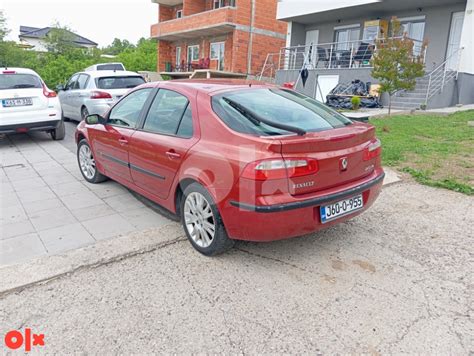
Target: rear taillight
column 9, row 72
column 96, row 94
column 373, row 149
column 280, row 168
column 48, row 93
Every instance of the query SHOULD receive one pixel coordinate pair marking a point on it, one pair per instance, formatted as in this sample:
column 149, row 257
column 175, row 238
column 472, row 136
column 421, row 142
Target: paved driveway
column 395, row 280
column 47, row 207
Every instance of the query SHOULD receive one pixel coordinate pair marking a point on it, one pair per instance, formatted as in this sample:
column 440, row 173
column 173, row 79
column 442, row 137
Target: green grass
column 436, row 150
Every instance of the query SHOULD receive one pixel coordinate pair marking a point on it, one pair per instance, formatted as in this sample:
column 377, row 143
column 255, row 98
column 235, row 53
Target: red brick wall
column 237, row 43
column 193, row 7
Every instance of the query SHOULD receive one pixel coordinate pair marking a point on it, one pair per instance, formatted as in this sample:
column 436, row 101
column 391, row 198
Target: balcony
column 335, row 55
column 168, row 2
column 203, row 24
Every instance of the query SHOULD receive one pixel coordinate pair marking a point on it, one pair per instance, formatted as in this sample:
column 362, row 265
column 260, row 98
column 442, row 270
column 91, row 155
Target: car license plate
column 7, row 103
column 343, row 207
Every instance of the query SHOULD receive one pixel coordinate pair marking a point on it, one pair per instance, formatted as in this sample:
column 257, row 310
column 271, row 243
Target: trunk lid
column 39, row 101
column 339, row 154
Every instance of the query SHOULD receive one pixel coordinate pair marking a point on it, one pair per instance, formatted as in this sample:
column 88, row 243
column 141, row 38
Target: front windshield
column 277, row 105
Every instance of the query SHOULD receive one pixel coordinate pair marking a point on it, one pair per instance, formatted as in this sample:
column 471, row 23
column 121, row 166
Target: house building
column 34, row 39
column 222, row 35
column 336, row 40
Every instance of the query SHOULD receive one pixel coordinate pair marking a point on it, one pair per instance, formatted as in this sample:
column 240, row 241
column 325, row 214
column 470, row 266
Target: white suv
column 26, row 104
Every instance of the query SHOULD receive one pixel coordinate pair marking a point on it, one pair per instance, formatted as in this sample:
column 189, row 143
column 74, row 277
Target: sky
column 98, row 20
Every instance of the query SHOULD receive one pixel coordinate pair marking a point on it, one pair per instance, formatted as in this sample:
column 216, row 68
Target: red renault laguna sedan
column 235, row 160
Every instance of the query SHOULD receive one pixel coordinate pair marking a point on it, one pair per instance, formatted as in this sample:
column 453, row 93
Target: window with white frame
column 346, row 36
column 178, row 56
column 193, row 53
column 218, row 4
column 179, row 14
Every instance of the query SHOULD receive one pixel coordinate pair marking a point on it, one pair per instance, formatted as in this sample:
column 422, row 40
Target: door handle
column 123, row 141
column 172, row 154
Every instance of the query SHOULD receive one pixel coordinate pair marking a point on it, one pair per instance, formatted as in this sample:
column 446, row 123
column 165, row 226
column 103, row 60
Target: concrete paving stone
column 6, row 188
column 27, row 184
column 35, row 206
column 106, row 189
column 123, row 202
column 65, row 238
column 70, row 188
column 35, row 194
column 13, row 159
column 53, row 179
column 9, row 198
column 48, row 219
column 20, row 172
column 15, row 229
column 12, row 214
column 83, row 200
column 92, row 212
column 37, row 157
column 20, row 248
column 45, row 167
column 57, row 171
column 144, row 218
column 108, row 226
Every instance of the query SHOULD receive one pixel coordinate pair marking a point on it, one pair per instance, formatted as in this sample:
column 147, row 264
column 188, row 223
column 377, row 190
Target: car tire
column 84, row 113
column 59, row 132
column 86, row 162
column 204, row 217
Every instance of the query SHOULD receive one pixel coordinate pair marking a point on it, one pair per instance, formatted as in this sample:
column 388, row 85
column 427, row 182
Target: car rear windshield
column 19, row 81
column 110, row 66
column 279, row 106
column 119, row 82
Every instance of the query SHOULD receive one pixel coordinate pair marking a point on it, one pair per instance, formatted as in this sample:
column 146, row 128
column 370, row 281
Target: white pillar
column 466, row 64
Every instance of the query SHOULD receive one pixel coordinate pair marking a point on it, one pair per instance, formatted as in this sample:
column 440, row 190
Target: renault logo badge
column 343, row 164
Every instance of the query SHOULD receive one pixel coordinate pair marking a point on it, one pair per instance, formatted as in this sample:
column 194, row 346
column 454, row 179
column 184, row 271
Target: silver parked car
column 94, row 92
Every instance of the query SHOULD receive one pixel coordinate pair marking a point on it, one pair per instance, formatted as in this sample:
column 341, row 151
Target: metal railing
column 443, row 74
column 334, row 55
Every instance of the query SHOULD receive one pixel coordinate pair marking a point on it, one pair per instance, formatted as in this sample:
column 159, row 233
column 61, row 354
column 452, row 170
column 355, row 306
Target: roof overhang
column 311, row 12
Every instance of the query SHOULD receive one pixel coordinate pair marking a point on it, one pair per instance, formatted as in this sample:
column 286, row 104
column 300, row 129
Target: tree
column 60, row 39
column 3, row 26
column 118, row 46
column 396, row 63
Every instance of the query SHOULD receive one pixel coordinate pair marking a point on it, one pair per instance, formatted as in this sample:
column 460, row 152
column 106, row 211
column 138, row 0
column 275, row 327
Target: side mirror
column 60, row 87
column 95, row 120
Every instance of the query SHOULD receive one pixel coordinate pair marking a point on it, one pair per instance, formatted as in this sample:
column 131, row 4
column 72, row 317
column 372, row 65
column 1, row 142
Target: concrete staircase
column 432, row 89
column 412, row 100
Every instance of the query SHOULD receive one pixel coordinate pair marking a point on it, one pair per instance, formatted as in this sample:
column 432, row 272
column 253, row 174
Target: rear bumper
column 296, row 218
column 31, row 126
column 98, row 106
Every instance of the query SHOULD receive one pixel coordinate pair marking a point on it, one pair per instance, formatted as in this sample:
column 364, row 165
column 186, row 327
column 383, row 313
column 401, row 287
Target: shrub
column 355, row 101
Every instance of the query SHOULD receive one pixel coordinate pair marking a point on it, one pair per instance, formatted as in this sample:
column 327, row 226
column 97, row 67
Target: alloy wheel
column 87, row 162
column 199, row 219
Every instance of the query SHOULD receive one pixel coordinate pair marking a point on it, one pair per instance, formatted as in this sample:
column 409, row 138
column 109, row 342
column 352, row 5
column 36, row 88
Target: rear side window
column 277, row 105
column 19, row 81
column 167, row 112
column 125, row 82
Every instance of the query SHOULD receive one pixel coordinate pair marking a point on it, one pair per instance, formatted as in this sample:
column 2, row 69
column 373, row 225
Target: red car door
column 160, row 145
column 111, row 141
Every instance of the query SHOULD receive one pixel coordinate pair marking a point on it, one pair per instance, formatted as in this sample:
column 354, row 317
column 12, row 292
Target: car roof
column 109, row 73
column 212, row 86
column 18, row 70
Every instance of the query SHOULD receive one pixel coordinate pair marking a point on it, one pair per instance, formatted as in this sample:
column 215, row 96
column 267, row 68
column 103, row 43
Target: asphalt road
column 397, row 279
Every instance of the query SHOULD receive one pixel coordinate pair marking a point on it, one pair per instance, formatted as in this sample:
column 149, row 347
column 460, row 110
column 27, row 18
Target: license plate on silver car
column 7, row 103
column 341, row 208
